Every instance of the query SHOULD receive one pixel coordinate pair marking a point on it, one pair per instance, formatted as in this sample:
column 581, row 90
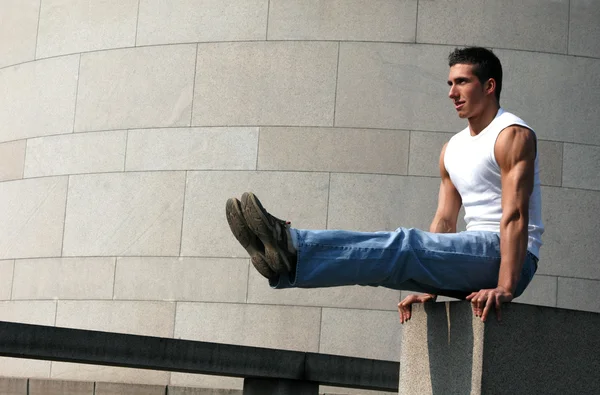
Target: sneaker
column 247, row 239
column 273, row 232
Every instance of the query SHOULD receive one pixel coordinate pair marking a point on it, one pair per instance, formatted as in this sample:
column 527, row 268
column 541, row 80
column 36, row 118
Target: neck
column 480, row 121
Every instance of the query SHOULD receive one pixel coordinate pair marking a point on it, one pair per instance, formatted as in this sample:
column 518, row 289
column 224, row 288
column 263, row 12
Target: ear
column 490, row 86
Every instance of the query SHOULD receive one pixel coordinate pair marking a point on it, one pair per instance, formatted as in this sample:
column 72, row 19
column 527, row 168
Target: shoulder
column 515, row 143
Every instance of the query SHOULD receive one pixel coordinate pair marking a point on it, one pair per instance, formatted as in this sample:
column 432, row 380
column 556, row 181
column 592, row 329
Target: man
column 490, row 167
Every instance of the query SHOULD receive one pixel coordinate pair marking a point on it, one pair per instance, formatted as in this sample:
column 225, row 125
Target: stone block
column 265, row 83
column 537, row 82
column 584, row 28
column 69, row 26
column 64, row 278
column 342, row 20
column 32, row 217
column 39, row 99
column 129, row 389
column 540, row 292
column 358, row 297
column 447, row 350
column 581, row 166
column 394, row 86
column 179, row 21
column 425, row 150
column 538, row 25
column 6, row 279
column 250, row 325
column 12, row 386
column 570, row 247
column 59, row 387
column 191, row 279
column 578, row 294
column 192, row 149
column 12, row 159
column 124, row 214
column 360, row 333
column 26, row 368
column 138, row 318
column 328, row 390
column 550, row 157
column 298, row 197
column 29, row 312
column 76, row 153
column 207, row 382
column 379, row 202
column 333, row 149
column 75, row 371
column 136, row 87
column 18, row 31
column 202, row 391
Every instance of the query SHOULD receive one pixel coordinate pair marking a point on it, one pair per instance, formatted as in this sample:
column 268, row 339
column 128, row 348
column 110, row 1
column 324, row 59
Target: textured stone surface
column 550, row 157
column 536, row 25
column 12, row 159
column 6, row 279
column 179, row 21
column 202, row 391
column 578, row 294
column 250, row 325
column 192, row 149
column 193, row 279
column 571, row 246
column 333, row 149
column 138, row 87
column 584, row 28
column 128, row 389
column 58, row 387
column 75, row 153
column 540, row 292
column 68, row 26
column 353, row 20
column 32, row 217
column 394, row 86
column 39, row 98
column 265, row 83
column 425, row 150
column 64, row 278
column 138, row 318
column 581, row 166
column 326, row 390
column 124, row 214
column 348, row 297
column 298, row 197
column 206, row 381
column 12, row 386
column 26, row 368
column 530, row 93
column 83, row 372
column 373, row 203
column 351, row 332
column 18, row 30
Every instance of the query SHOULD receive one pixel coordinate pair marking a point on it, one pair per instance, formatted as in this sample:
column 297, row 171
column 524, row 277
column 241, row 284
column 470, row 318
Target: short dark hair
column 486, row 65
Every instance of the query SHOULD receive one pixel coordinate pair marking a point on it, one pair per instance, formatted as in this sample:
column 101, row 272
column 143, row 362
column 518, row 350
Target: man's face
column 466, row 92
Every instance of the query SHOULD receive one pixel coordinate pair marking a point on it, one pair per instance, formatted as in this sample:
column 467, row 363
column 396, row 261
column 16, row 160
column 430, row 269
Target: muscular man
column 490, row 168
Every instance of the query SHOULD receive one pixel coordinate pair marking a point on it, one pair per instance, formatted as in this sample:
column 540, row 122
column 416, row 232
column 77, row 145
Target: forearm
column 513, row 248
column 441, row 225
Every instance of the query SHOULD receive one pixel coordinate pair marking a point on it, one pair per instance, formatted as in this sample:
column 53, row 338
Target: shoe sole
column 257, row 221
column 244, row 236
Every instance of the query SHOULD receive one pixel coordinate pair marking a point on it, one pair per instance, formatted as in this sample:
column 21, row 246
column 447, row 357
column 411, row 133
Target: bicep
column 449, row 200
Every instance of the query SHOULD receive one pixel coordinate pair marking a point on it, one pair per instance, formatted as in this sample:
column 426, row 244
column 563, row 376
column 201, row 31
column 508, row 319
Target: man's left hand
column 483, row 301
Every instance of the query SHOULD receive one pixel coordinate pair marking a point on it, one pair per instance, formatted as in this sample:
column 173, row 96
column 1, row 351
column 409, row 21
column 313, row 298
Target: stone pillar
column 534, row 350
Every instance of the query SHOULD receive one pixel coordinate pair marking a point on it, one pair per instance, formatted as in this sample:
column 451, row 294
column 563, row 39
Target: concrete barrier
column 533, row 350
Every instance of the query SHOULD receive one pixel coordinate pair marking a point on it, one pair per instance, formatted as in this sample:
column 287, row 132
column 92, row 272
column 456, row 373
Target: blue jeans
column 451, row 264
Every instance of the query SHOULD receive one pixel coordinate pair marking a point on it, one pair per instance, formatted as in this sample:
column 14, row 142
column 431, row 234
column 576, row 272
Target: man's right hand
column 405, row 307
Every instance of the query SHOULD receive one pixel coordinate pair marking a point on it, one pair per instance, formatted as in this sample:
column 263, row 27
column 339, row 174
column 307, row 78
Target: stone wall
column 125, row 125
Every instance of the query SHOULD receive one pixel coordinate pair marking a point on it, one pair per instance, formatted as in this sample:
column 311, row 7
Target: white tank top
column 471, row 163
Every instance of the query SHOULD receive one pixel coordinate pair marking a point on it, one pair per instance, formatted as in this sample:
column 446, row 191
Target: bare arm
column 515, row 153
column 444, row 221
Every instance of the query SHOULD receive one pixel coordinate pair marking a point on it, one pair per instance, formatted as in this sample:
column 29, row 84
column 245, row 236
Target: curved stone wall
column 125, row 125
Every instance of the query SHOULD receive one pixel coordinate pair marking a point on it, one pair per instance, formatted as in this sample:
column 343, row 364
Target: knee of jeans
column 529, row 269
